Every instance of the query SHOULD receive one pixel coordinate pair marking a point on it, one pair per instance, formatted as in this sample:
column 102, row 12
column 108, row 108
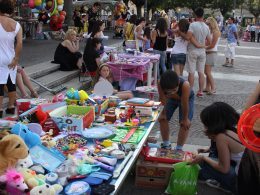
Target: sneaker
column 215, row 184
column 199, row 94
column 169, row 147
column 225, row 65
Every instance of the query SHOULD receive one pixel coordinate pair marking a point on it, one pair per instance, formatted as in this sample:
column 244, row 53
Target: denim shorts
column 178, row 59
column 173, row 104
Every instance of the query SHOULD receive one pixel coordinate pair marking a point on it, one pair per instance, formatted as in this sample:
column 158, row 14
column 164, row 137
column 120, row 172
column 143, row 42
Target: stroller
column 119, row 28
column 246, row 36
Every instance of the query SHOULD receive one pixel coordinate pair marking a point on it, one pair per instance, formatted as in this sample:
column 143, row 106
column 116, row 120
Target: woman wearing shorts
column 179, row 50
column 211, row 55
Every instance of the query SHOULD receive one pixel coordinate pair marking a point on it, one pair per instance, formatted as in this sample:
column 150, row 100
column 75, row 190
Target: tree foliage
column 254, row 7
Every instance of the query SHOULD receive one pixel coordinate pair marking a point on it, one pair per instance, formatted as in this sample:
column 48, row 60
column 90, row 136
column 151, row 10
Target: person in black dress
column 67, row 53
column 93, row 15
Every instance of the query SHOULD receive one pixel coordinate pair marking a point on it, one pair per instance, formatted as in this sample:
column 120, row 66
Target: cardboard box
column 63, row 121
column 152, row 174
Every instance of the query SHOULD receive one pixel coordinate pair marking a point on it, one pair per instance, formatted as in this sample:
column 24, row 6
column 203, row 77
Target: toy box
column 152, row 174
column 70, row 123
column 165, row 156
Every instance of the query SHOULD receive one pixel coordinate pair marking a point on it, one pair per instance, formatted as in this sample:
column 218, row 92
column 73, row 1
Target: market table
column 120, row 180
column 154, row 58
column 128, row 70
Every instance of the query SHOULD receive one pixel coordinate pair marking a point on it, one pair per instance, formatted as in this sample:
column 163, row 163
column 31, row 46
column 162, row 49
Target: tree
column 68, row 8
column 139, row 4
column 254, row 8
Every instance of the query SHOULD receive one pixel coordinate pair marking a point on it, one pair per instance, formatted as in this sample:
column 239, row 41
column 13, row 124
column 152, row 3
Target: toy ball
column 60, row 7
column 60, row 2
column 54, row 18
column 63, row 13
column 31, row 3
column 61, row 19
column 37, row 2
column 49, row 4
column 246, row 126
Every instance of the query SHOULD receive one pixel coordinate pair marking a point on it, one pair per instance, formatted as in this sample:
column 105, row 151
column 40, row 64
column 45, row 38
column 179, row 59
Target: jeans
column 227, row 181
column 173, row 104
column 162, row 61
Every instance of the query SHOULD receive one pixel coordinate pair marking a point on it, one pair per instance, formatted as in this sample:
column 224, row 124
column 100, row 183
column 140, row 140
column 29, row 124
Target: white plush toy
column 24, row 163
column 46, row 189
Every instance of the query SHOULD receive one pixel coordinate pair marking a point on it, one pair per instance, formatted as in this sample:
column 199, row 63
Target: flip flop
column 211, row 92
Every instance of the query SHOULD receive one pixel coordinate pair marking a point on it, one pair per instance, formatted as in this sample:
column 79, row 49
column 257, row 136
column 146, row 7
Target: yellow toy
column 31, row 178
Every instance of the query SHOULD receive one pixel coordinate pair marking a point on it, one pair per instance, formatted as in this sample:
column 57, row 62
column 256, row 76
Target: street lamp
column 145, row 10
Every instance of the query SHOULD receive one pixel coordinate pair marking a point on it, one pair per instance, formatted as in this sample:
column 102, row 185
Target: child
column 147, row 36
column 175, row 92
column 220, row 120
column 91, row 55
column 105, row 74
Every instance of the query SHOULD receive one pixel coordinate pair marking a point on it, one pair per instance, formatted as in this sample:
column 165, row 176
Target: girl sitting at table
column 104, row 74
column 220, row 120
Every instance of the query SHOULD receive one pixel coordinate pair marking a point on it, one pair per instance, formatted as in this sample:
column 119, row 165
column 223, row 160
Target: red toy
column 245, row 128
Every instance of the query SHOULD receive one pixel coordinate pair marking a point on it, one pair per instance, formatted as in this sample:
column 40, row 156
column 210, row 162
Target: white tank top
column 180, row 46
column 215, row 48
column 139, row 42
column 7, row 53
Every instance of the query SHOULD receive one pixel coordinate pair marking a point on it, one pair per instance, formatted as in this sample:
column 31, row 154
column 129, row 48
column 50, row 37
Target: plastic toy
column 245, row 128
column 12, row 148
column 51, row 178
column 31, row 139
column 46, row 189
column 31, row 179
column 77, row 188
column 14, row 182
column 24, row 163
column 38, row 169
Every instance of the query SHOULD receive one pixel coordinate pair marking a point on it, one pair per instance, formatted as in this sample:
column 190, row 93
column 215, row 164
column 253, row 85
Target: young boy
column 175, row 92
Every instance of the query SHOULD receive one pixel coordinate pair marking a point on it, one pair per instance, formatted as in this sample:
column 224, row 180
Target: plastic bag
column 183, row 179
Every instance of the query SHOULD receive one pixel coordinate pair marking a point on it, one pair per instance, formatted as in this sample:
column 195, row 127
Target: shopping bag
column 183, row 180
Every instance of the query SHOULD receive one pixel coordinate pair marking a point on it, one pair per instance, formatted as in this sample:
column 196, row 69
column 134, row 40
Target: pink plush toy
column 14, row 182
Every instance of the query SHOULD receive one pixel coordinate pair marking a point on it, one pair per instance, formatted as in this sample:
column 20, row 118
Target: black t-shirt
column 92, row 16
column 90, row 57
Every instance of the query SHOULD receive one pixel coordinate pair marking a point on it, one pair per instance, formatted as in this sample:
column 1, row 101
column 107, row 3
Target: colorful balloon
column 31, row 4
column 60, row 7
column 37, row 2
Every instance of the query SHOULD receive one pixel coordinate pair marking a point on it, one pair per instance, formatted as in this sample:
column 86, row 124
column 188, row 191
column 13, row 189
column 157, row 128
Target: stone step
column 41, row 69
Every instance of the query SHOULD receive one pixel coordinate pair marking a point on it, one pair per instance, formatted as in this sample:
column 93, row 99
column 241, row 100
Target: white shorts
column 230, row 50
column 196, row 60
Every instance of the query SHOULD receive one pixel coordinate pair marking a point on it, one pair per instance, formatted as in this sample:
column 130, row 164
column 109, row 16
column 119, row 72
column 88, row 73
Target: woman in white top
column 220, row 120
column 139, row 34
column 9, row 54
column 211, row 54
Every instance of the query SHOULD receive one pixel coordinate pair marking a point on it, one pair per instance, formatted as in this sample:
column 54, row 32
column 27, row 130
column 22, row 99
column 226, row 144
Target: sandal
column 199, row 94
column 34, row 94
column 211, row 92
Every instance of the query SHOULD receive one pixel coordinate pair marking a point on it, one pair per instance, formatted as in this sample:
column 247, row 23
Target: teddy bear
column 12, row 148
column 31, row 178
column 46, row 189
column 31, row 139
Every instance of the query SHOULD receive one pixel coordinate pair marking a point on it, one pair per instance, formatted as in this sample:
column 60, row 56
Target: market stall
column 78, row 143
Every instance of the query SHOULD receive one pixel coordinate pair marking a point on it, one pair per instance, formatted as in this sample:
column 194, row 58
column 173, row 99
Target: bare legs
column 178, row 68
column 22, row 80
column 12, row 99
column 210, row 84
column 165, row 131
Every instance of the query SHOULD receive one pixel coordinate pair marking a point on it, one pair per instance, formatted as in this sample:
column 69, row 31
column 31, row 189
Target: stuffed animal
column 31, row 178
column 12, row 148
column 46, row 189
column 14, row 182
column 67, row 169
column 31, row 139
column 24, row 163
